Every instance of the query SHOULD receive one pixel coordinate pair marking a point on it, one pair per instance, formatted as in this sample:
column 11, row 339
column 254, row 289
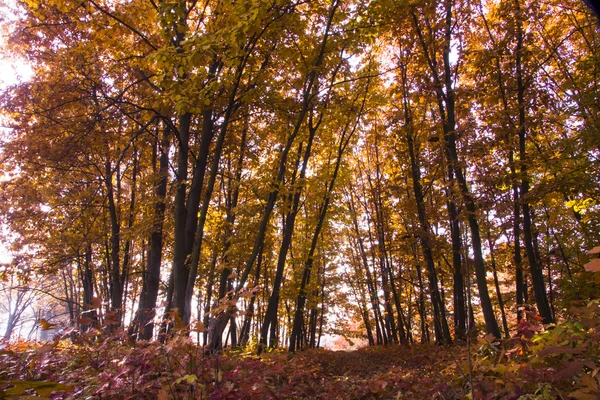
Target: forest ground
column 536, row 363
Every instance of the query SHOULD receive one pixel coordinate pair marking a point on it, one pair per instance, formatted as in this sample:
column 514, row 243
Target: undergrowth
column 559, row 361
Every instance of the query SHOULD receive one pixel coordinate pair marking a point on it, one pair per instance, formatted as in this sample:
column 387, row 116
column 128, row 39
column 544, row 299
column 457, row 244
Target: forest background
column 265, row 172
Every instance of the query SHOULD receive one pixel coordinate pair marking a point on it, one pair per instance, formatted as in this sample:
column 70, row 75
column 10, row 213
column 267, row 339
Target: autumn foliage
column 187, row 188
column 537, row 363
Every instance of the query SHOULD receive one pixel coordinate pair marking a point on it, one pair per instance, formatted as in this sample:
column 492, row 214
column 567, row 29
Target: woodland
column 201, row 198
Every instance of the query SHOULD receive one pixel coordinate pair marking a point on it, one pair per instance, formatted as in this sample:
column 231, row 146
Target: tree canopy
column 267, row 172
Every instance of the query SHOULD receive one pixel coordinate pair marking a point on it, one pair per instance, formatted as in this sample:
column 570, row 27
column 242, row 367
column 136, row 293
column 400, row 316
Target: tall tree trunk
column 388, row 282
column 178, row 281
column 116, row 288
column 446, row 102
column 129, row 242
column 371, row 285
column 296, row 337
column 442, row 331
column 306, row 97
column 181, row 237
column 199, row 228
column 288, row 230
column 535, row 267
column 520, row 281
column 496, row 282
column 209, row 296
column 245, row 331
column 87, row 283
column 151, row 280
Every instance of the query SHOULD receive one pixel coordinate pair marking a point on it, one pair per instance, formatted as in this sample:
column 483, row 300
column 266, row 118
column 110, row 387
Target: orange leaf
column 96, row 302
column 197, row 326
column 85, row 321
column 46, row 325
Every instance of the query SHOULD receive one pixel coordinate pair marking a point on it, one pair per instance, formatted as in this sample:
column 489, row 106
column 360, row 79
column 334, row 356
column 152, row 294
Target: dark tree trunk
column 179, row 271
column 87, row 283
column 298, row 329
column 129, row 243
column 421, row 307
column 441, row 329
column 306, row 97
column 288, row 230
column 245, row 331
column 116, row 287
column 535, row 267
column 151, row 280
column 520, row 281
column 371, row 284
column 497, row 283
column 446, row 101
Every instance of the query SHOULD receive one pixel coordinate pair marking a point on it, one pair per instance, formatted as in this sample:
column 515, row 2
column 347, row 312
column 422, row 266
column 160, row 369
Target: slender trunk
column 371, row 285
column 296, row 339
column 245, row 332
column 361, row 301
column 87, row 282
column 535, row 266
column 306, row 97
column 497, row 283
column 179, row 271
column 460, row 305
column 388, row 284
column 288, row 230
column 446, row 102
column 312, row 331
column 116, row 288
column 151, row 280
column 322, row 315
column 561, row 249
column 298, row 325
column 442, row 331
column 209, row 294
column 421, row 307
column 520, row 281
column 124, row 279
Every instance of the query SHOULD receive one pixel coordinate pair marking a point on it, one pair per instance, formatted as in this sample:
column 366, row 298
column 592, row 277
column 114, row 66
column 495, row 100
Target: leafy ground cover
column 560, row 362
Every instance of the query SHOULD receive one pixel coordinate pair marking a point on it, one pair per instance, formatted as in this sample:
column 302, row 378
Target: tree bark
column 441, row 329
column 151, row 280
column 446, row 102
column 535, row 267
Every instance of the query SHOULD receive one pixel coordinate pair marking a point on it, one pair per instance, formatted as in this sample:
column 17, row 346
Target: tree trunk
column 306, row 97
column 288, row 230
column 446, row 103
column 87, row 283
column 298, row 325
column 496, row 282
column 151, row 280
column 535, row 267
column 116, row 287
column 371, row 285
column 442, row 331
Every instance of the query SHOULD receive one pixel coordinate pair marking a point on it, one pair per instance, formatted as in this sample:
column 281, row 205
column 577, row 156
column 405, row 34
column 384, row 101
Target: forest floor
column 536, row 363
